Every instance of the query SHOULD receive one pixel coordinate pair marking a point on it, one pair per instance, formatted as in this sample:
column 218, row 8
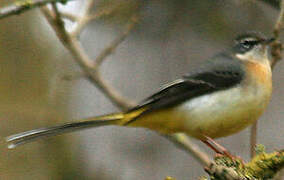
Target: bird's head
column 252, row 47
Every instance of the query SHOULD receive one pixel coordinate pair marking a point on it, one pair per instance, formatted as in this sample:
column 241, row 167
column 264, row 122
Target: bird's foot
column 232, row 157
column 229, row 159
column 220, row 150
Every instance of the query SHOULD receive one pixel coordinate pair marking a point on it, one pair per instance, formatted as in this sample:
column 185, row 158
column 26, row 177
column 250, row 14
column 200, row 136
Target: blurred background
column 171, row 38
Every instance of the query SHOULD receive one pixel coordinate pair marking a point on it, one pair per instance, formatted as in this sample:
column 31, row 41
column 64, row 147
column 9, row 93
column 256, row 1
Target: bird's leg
column 211, row 146
column 218, row 148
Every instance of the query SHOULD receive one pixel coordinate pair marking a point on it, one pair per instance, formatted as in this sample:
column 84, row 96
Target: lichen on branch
column 263, row 166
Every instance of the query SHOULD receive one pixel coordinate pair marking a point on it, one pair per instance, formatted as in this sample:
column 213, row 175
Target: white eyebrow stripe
column 249, row 39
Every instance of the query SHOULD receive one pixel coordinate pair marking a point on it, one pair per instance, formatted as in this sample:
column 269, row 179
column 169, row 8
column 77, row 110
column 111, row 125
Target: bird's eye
column 247, row 44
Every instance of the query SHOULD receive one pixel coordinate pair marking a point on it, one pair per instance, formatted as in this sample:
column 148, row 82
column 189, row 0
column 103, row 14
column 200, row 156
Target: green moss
column 262, row 167
column 265, row 166
column 25, row 4
column 259, row 149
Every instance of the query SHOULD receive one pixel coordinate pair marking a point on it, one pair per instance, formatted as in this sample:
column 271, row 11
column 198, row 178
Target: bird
column 226, row 94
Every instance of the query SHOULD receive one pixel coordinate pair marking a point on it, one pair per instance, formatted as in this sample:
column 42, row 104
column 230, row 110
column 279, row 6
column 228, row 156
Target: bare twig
column 83, row 60
column 80, row 26
column 91, row 69
column 253, row 139
column 211, row 167
column 276, row 50
column 108, row 50
column 69, row 16
column 279, row 22
column 86, row 64
column 57, row 25
column 86, row 18
column 277, row 47
column 57, row 15
column 83, row 20
column 182, row 141
column 20, row 6
column 88, row 7
column 104, row 12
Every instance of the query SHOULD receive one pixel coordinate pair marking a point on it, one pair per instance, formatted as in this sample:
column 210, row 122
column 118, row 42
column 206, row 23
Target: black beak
column 268, row 41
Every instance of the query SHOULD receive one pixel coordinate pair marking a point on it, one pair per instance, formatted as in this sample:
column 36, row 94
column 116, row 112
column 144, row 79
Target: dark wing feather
column 175, row 93
column 220, row 73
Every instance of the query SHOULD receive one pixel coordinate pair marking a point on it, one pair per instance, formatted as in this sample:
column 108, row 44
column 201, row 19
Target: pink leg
column 220, row 149
column 211, row 146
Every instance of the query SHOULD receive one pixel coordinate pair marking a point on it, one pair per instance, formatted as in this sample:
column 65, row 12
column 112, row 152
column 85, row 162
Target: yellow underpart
column 165, row 121
column 215, row 115
column 128, row 116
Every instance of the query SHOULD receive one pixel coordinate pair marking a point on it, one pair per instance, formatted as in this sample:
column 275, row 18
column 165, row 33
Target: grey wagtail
column 226, row 94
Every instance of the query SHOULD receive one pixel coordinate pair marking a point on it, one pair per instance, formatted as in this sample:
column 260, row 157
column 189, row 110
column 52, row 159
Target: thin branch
column 82, row 20
column 276, row 50
column 90, row 68
column 276, row 54
column 88, row 7
column 104, row 12
column 69, row 16
column 277, row 47
column 80, row 26
column 83, row 60
column 253, row 139
column 85, row 19
column 57, row 25
column 279, row 22
column 182, row 141
column 19, row 7
column 86, row 64
column 108, row 50
column 57, row 15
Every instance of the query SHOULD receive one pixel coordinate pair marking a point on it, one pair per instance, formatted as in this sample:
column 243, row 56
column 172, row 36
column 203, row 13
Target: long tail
column 29, row 136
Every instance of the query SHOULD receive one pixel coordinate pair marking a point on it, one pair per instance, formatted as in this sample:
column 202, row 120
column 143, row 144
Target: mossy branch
column 262, row 167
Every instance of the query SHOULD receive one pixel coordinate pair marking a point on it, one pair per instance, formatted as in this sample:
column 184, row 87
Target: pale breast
column 228, row 111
